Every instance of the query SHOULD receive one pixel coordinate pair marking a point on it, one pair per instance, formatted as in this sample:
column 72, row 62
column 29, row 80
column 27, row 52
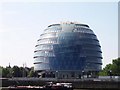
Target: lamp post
column 110, row 73
column 83, row 73
column 56, row 74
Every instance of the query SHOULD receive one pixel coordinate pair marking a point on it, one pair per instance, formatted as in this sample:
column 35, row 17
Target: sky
column 21, row 24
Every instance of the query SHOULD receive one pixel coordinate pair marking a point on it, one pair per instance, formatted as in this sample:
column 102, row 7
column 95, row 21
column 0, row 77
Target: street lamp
column 110, row 73
column 56, row 74
column 83, row 73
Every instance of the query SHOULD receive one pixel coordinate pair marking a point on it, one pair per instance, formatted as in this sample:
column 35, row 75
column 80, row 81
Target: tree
column 6, row 72
column 1, row 71
column 116, row 67
column 32, row 73
column 111, row 69
column 16, row 72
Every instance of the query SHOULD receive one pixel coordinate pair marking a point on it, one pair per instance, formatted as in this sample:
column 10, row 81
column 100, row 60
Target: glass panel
column 44, row 47
column 46, row 41
column 53, row 29
column 83, row 30
column 44, row 53
column 42, row 66
column 48, row 35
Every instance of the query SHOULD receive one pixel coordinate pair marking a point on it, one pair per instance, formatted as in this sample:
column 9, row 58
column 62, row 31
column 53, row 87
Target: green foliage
column 114, row 68
column 32, row 73
column 1, row 71
column 16, row 71
column 6, row 72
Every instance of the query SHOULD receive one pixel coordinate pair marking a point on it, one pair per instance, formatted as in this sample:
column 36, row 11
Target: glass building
column 67, row 50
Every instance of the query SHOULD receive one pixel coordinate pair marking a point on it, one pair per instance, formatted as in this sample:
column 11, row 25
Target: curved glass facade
column 68, row 47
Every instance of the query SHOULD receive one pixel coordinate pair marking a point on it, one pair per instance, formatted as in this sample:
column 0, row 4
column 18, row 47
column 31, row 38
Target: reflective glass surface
column 62, row 49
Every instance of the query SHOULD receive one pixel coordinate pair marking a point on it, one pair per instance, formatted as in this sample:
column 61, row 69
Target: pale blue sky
column 22, row 23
